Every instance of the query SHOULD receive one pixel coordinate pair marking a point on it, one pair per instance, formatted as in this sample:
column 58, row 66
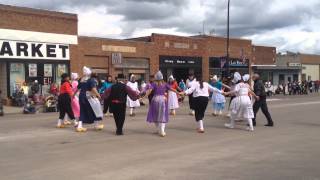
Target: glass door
column 17, row 77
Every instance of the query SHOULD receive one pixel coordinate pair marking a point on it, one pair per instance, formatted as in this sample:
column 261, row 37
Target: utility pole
column 228, row 42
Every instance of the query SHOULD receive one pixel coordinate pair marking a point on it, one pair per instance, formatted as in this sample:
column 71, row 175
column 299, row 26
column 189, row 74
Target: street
column 31, row 148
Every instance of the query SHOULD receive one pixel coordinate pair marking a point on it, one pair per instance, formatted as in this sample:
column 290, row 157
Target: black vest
column 118, row 93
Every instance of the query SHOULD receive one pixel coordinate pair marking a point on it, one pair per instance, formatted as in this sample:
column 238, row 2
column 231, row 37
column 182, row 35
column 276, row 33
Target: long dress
column 86, row 113
column 130, row 103
column 241, row 106
column 158, row 109
column 218, row 99
column 173, row 102
column 75, row 100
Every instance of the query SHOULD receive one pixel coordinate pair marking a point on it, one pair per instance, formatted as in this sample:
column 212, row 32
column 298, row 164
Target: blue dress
column 218, row 99
column 86, row 113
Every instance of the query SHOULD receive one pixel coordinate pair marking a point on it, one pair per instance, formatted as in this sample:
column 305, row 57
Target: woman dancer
column 64, row 101
column 241, row 106
column 172, row 96
column 131, row 103
column 218, row 100
column 158, row 109
column 190, row 81
column 75, row 100
column 88, row 89
column 200, row 92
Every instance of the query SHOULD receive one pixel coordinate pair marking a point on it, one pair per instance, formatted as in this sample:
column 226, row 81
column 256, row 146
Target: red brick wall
column 38, row 20
column 90, row 53
column 263, row 55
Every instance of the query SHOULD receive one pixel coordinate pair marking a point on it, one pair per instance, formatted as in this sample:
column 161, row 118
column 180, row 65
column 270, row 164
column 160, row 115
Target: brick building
column 41, row 45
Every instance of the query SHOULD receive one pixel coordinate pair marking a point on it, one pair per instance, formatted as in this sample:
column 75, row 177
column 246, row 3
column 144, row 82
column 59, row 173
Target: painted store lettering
column 32, row 50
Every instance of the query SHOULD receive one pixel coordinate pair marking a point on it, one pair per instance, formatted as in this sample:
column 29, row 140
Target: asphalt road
column 32, row 149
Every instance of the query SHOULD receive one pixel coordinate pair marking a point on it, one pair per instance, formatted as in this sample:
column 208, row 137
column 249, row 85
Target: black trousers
column 201, row 106
column 119, row 115
column 191, row 102
column 262, row 103
column 106, row 106
column 64, row 103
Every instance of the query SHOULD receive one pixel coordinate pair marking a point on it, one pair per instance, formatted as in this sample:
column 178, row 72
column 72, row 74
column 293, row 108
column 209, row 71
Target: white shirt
column 190, row 83
column 197, row 91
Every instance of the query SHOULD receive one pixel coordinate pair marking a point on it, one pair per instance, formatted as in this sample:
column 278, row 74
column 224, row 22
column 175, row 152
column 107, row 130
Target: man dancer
column 261, row 101
column 117, row 95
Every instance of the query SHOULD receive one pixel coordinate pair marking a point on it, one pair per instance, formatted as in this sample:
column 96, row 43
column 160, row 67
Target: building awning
column 274, row 67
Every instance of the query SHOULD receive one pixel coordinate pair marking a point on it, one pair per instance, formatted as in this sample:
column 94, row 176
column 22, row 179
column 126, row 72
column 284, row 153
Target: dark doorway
column 181, row 73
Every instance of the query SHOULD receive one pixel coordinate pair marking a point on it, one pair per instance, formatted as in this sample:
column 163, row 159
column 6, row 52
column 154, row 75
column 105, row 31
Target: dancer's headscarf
column 246, row 77
column 158, row 76
column 236, row 77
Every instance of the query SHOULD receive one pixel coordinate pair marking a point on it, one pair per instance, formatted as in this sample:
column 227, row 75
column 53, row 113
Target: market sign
column 33, row 50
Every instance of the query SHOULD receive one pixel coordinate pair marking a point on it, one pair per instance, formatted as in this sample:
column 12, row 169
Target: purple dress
column 158, row 109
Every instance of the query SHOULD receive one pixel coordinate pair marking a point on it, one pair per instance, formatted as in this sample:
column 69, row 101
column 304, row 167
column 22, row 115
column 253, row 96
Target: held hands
column 182, row 94
column 257, row 98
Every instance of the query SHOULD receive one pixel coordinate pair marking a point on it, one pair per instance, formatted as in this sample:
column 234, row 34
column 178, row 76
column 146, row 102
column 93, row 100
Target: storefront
column 218, row 65
column 180, row 66
column 26, row 62
column 128, row 66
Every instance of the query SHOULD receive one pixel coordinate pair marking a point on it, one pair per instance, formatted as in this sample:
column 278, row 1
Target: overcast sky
column 289, row 25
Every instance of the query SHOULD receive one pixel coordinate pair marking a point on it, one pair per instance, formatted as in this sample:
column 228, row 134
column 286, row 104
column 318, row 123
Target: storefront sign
column 181, row 45
column 123, row 49
column 33, row 71
column 294, row 64
column 180, row 61
column 221, row 62
column 33, row 50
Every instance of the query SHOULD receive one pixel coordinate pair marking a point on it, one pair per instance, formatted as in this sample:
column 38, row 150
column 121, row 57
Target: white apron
column 131, row 103
column 173, row 100
column 241, row 105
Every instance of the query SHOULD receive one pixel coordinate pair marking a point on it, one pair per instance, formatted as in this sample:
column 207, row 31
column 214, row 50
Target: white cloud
column 287, row 25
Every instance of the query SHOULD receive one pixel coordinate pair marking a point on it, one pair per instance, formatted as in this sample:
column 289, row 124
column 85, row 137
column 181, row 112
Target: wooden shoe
column 81, row 129
column 60, row 126
column 99, row 127
column 200, row 130
column 67, row 122
column 229, row 126
column 162, row 134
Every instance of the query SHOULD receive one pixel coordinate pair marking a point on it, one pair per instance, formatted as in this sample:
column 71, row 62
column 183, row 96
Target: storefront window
column 61, row 68
column 17, row 77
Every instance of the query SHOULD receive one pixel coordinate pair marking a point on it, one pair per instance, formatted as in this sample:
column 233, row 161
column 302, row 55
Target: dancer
column 218, row 99
column 172, row 96
column 241, row 106
column 75, row 100
column 261, row 101
column 131, row 103
column 64, row 101
column 158, row 109
column 88, row 91
column 200, row 92
column 190, row 81
column 117, row 95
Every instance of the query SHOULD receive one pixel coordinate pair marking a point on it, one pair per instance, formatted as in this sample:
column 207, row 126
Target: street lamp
column 228, row 42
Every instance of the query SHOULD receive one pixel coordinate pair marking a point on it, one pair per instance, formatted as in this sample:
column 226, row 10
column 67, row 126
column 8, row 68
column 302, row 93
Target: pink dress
column 75, row 101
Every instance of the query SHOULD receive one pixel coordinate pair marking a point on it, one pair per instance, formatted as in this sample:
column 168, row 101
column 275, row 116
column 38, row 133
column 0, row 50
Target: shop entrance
column 180, row 73
column 180, row 67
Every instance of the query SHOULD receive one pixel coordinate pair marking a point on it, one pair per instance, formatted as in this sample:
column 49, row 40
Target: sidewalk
column 12, row 110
